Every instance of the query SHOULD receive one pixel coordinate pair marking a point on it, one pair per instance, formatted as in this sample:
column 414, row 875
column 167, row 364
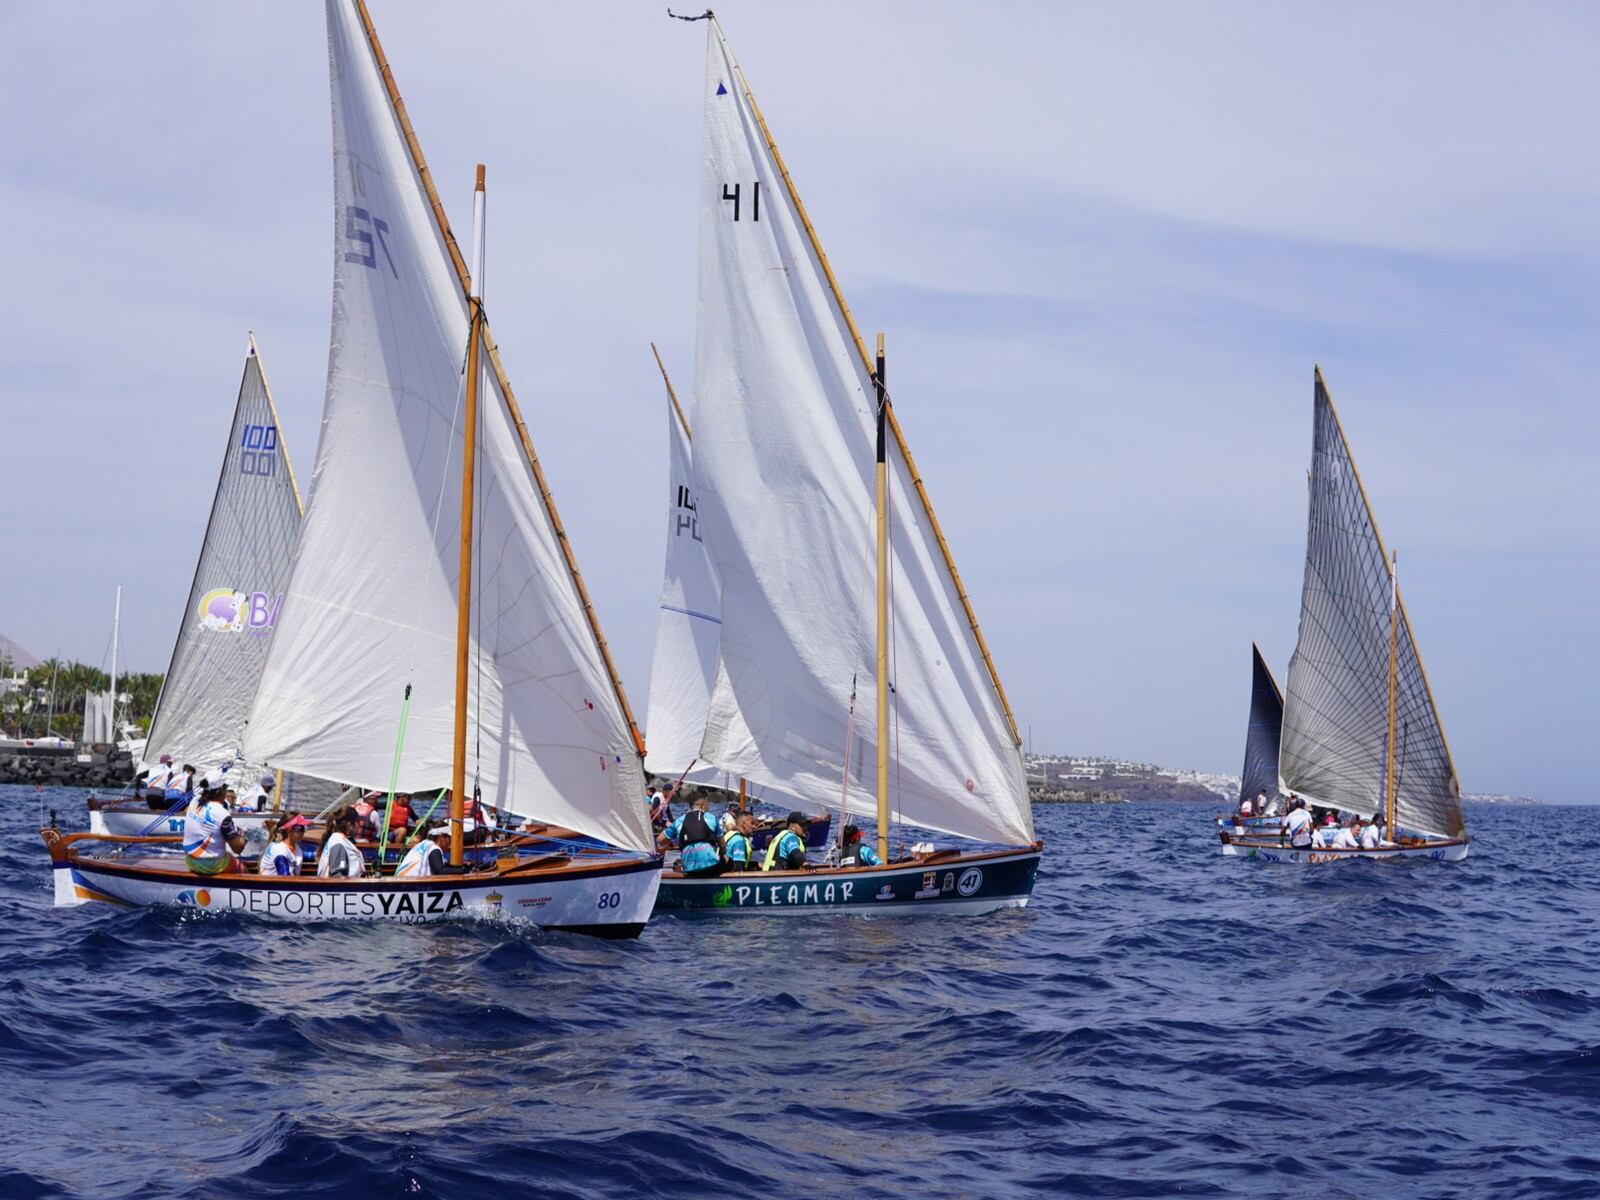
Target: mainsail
column 785, row 426
column 1336, row 713
column 685, row 660
column 366, row 644
column 237, row 592
column 1261, row 738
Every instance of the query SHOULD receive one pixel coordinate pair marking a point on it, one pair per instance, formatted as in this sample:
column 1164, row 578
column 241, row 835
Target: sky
column 1107, row 244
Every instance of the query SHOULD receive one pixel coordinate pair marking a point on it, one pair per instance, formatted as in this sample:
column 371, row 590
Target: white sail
column 784, row 450
column 237, row 591
column 685, row 660
column 371, row 607
column 1334, row 742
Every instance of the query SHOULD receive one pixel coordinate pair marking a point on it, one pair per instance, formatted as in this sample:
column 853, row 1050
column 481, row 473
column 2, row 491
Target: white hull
column 612, row 899
column 133, row 822
column 1275, row 851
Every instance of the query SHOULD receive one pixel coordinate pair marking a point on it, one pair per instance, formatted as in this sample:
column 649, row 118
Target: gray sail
column 1336, row 713
column 237, row 591
column 1261, row 738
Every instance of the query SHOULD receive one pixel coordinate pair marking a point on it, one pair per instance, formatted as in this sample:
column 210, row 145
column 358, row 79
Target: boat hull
column 133, row 818
column 606, row 899
column 1274, row 850
column 945, row 885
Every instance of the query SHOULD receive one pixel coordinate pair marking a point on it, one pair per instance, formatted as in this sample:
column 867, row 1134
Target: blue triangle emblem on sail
column 722, row 89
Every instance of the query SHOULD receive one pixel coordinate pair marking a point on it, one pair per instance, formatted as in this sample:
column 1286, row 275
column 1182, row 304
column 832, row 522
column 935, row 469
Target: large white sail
column 784, row 447
column 370, row 614
column 237, row 592
column 685, row 660
column 1333, row 749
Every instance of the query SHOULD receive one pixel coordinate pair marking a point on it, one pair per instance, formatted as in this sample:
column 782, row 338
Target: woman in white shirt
column 340, row 857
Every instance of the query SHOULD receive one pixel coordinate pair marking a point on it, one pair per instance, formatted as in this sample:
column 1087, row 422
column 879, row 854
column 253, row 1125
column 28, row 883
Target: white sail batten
column 684, row 664
column 237, row 592
column 371, row 605
column 784, row 447
column 1335, row 713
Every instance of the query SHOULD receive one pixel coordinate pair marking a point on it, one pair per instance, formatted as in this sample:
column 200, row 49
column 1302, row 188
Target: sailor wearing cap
column 857, row 853
column 209, row 839
column 427, row 856
column 283, row 855
column 787, row 850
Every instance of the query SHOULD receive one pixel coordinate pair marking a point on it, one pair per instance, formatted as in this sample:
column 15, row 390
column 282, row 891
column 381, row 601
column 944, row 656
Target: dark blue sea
column 1161, row 1022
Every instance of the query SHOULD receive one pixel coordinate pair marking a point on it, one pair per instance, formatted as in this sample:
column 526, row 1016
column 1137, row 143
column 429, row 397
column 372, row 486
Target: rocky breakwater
column 100, row 767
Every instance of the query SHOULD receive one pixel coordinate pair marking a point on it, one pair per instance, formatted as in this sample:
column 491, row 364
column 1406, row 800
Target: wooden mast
column 867, row 365
column 1394, row 656
column 469, row 462
column 492, row 352
column 671, row 394
column 881, row 486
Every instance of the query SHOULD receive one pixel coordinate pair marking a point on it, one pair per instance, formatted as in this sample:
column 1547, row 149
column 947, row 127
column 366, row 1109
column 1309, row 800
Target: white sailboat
column 832, row 568
column 433, row 592
column 684, row 665
column 1361, row 733
column 229, row 615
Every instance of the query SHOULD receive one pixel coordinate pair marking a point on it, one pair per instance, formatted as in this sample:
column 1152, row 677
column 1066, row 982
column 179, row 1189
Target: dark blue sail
column 1261, row 739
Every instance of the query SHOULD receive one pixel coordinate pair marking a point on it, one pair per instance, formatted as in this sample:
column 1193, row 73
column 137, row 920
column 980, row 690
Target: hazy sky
column 1107, row 243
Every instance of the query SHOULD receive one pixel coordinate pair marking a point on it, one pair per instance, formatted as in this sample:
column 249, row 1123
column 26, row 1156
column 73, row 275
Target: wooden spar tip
column 672, row 394
column 478, row 187
column 705, row 16
column 250, row 343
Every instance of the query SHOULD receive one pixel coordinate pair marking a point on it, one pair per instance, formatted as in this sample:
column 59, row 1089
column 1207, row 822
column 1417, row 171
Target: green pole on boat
column 394, row 779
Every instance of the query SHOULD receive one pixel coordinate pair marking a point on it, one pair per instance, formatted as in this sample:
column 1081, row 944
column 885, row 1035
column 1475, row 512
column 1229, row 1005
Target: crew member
column 210, row 841
column 283, row 855
column 787, row 850
column 857, row 853
column 1297, row 825
column 737, row 848
column 341, row 859
column 701, row 846
column 429, row 857
column 180, row 785
column 1348, row 837
column 155, row 782
column 1369, row 834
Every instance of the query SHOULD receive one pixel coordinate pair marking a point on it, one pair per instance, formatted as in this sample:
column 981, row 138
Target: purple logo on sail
column 223, row 610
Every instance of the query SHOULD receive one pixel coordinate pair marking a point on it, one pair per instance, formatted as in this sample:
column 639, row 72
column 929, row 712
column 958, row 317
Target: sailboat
column 434, row 593
column 833, row 569
column 1360, row 732
column 1260, row 773
column 684, row 665
column 228, row 616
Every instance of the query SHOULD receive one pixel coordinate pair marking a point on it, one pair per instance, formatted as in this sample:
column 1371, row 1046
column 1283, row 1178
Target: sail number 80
column 610, row 899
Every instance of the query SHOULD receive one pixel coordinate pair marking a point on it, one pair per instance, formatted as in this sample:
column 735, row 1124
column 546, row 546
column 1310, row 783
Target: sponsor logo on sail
column 224, row 610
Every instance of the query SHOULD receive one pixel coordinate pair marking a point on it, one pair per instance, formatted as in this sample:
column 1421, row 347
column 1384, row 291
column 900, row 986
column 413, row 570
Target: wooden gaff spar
column 1361, row 733
column 832, row 564
column 376, row 601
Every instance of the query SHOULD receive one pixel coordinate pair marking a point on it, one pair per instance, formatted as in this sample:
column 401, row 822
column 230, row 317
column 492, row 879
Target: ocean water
column 1161, row 1022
